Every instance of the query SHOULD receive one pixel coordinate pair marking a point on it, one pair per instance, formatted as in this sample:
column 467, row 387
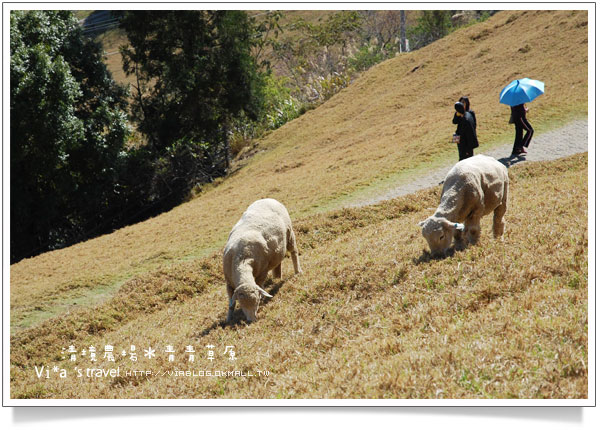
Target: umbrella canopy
column 521, row 91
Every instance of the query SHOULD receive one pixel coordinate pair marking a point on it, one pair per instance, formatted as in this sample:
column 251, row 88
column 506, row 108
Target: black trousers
column 520, row 141
column 464, row 152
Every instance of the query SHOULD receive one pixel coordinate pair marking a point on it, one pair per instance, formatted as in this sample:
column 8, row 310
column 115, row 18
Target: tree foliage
column 195, row 72
column 383, row 27
column 315, row 55
column 195, row 77
column 431, row 26
column 203, row 88
column 68, row 129
column 266, row 29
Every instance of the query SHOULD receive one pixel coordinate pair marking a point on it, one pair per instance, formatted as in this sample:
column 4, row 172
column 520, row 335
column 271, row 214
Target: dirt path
column 568, row 140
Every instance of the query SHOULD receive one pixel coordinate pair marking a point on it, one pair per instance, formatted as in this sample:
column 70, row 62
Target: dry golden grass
column 393, row 122
column 372, row 316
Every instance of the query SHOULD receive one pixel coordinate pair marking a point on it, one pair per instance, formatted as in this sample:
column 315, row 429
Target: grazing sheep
column 474, row 187
column 257, row 244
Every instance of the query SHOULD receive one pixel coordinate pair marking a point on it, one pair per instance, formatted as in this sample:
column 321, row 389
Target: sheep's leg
column 231, row 308
column 296, row 262
column 294, row 252
column 230, row 290
column 260, row 279
column 498, row 225
column 473, row 231
column 459, row 240
column 277, row 271
column 472, row 227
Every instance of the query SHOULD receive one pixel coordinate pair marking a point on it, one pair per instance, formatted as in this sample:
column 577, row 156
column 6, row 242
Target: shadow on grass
column 427, row 256
column 271, row 286
column 511, row 160
column 212, row 327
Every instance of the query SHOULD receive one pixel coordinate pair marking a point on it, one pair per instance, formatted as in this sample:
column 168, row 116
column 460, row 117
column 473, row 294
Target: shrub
column 366, row 57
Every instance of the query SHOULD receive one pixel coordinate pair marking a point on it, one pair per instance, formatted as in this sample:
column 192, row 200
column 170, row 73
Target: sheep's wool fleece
column 479, row 178
column 260, row 235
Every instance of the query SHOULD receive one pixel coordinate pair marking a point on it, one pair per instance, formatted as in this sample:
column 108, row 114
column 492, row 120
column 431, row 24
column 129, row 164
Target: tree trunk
column 403, row 47
column 227, row 149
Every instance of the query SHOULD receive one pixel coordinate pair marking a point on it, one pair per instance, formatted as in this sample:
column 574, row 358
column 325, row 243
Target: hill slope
column 392, row 123
column 372, row 316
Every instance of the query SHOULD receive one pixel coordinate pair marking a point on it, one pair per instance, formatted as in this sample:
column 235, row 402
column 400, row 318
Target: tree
column 382, row 27
column 316, row 54
column 68, row 129
column 266, row 30
column 195, row 72
column 431, row 26
column 403, row 46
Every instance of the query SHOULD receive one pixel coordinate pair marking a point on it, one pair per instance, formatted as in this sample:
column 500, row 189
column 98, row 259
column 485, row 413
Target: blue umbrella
column 521, row 91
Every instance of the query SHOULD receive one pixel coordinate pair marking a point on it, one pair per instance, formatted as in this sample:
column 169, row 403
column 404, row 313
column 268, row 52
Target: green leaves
column 67, row 128
column 432, row 25
column 195, row 72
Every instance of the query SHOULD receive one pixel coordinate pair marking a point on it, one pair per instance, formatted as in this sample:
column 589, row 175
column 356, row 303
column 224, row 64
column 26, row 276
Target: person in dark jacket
column 467, row 104
column 518, row 114
column 465, row 130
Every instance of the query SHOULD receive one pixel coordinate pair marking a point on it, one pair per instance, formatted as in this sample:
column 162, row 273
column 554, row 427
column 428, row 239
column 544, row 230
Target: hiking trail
column 562, row 142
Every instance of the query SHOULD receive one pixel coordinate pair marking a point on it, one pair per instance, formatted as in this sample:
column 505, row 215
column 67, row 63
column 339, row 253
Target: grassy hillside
column 372, row 316
column 391, row 124
column 371, row 305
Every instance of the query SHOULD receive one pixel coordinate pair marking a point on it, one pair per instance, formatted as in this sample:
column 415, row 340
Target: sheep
column 474, row 187
column 257, row 244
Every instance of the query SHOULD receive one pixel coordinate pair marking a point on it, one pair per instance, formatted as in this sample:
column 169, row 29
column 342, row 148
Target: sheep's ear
column 446, row 224
column 263, row 292
column 453, row 225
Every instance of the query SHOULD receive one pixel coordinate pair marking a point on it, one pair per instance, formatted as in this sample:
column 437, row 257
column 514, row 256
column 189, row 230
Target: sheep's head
column 249, row 298
column 438, row 232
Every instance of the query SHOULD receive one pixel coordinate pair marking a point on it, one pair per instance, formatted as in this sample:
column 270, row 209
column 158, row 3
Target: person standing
column 465, row 131
column 518, row 115
column 467, row 104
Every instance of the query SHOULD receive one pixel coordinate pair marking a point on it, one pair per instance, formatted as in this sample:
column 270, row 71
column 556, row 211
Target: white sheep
column 474, row 187
column 257, row 244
